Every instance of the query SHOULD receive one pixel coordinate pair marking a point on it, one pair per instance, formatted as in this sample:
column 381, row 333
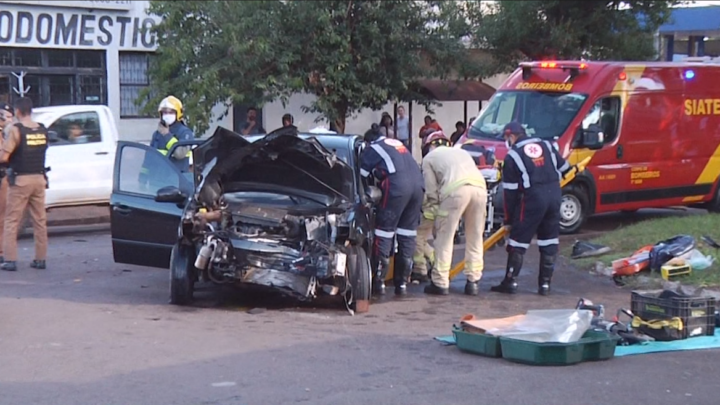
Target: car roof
column 329, row 141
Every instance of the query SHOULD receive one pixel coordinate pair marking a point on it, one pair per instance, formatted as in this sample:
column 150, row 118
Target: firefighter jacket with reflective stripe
column 29, row 154
column 531, row 164
column 163, row 143
column 387, row 158
column 445, row 170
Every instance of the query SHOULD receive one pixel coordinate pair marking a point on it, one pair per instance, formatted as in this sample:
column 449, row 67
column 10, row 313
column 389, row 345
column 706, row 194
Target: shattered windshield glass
column 543, row 114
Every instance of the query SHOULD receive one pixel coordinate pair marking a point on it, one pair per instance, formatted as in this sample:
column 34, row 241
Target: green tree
column 351, row 54
column 597, row 30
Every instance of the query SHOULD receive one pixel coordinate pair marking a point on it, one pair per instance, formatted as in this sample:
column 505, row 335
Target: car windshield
column 543, row 114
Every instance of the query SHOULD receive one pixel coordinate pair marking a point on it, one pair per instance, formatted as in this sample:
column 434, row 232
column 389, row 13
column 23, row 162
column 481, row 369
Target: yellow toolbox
column 669, row 271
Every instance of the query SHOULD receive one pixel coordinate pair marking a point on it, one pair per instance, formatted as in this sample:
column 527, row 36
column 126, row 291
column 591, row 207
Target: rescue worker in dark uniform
column 24, row 150
column 399, row 211
column 531, row 177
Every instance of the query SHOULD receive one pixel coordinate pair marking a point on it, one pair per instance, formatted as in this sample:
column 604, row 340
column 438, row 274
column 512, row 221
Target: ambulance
column 652, row 130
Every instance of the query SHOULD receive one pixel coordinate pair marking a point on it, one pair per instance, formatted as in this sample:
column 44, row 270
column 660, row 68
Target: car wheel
column 182, row 276
column 574, row 209
column 360, row 276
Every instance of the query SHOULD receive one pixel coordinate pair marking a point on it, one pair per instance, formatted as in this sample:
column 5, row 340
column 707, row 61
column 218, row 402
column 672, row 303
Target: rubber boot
column 509, row 283
column 547, row 267
column 380, row 267
column 401, row 274
column 472, row 288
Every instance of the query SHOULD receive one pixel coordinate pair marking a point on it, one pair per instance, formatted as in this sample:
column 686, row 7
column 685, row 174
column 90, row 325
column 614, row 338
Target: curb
column 79, row 221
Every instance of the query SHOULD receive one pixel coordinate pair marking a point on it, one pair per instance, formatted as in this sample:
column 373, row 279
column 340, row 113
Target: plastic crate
column 697, row 314
column 593, row 346
column 478, row 343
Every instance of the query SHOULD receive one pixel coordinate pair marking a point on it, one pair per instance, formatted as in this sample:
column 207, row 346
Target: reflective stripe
column 384, row 234
column 468, row 181
column 554, row 160
column 163, row 151
column 170, row 143
column 518, row 244
column 144, row 170
column 521, row 166
column 510, row 186
column 527, row 141
column 548, row 242
column 385, row 157
column 565, row 167
column 364, row 173
column 406, row 232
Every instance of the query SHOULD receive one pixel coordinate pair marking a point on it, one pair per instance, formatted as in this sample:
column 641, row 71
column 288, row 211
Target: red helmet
column 437, row 138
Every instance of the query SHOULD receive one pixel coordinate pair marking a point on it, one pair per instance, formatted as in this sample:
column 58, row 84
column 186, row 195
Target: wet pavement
column 89, row 331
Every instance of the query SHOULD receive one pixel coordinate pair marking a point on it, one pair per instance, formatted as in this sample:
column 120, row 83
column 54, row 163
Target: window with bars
column 133, row 79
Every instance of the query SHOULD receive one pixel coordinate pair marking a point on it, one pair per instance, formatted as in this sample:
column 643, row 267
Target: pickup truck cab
column 81, row 154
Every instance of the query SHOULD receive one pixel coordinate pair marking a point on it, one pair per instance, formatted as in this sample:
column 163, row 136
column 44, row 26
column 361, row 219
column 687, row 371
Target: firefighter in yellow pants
column 454, row 189
column 424, row 253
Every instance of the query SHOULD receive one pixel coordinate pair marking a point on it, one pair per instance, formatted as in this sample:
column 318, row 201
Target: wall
column 113, row 26
column 447, row 114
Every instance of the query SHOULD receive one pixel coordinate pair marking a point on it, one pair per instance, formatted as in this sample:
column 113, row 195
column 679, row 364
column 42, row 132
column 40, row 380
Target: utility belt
column 12, row 176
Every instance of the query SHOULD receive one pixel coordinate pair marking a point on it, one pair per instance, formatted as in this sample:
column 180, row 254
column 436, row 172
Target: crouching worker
column 531, row 177
column 398, row 213
column 454, row 189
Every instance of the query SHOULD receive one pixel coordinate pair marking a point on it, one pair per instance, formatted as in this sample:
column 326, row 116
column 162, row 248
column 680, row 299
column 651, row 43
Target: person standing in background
column 251, row 126
column 459, row 131
column 386, row 126
column 430, row 126
column 402, row 127
column 6, row 118
column 24, row 149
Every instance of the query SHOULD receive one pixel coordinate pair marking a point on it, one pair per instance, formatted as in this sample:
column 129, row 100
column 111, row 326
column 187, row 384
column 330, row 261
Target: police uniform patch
column 533, row 150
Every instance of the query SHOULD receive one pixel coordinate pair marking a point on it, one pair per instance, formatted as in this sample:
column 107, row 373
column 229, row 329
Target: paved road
column 88, row 331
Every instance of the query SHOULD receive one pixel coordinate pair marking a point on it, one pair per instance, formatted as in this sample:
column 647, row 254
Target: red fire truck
column 652, row 130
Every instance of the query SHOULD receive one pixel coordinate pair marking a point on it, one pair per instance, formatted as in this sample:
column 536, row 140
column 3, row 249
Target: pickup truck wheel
column 714, row 204
column 360, row 277
column 574, row 209
column 182, row 276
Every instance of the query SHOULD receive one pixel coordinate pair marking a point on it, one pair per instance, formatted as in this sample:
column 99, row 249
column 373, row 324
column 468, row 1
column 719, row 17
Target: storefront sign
column 43, row 29
column 119, row 5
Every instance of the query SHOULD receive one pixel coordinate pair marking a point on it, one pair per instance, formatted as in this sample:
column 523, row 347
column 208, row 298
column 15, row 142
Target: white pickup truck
column 81, row 154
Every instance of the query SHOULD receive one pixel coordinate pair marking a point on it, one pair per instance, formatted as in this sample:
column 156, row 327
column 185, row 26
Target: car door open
column 148, row 198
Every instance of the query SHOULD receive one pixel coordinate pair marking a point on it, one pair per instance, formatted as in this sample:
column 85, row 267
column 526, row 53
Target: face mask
column 508, row 144
column 169, row 119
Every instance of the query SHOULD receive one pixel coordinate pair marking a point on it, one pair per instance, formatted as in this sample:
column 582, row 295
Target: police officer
column 6, row 118
column 25, row 149
column 531, row 177
column 454, row 189
column 398, row 213
column 171, row 130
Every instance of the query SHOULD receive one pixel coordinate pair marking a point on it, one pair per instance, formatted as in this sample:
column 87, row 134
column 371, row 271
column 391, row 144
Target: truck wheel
column 574, row 209
column 714, row 204
column 360, row 276
column 182, row 275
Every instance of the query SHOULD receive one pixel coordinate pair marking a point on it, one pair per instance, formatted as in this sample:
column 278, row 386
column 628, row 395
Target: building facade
column 80, row 52
column 97, row 52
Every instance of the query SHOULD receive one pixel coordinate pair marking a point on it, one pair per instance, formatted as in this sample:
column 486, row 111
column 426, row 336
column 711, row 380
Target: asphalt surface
column 89, row 331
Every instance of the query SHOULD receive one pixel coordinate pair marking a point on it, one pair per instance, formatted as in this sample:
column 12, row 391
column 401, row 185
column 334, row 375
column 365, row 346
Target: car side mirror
column 374, row 194
column 593, row 138
column 170, row 194
column 53, row 137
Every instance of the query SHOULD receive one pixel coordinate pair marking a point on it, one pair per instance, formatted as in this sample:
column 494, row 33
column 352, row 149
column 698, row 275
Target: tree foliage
column 351, row 54
column 597, row 30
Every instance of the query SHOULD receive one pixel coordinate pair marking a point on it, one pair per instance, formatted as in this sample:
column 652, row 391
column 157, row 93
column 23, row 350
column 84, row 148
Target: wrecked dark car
column 285, row 212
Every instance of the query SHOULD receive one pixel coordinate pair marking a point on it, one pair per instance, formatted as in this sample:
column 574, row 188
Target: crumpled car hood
column 280, row 159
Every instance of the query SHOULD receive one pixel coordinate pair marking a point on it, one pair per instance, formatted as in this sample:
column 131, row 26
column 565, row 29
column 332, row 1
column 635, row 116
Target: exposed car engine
column 291, row 250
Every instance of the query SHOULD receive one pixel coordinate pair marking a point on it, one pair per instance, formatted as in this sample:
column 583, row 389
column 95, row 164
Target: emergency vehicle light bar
column 574, row 68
